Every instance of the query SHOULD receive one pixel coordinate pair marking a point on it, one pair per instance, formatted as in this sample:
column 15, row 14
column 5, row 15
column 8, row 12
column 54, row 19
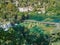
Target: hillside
column 29, row 22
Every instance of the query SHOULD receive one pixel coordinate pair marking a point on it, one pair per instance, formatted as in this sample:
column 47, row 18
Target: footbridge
column 40, row 22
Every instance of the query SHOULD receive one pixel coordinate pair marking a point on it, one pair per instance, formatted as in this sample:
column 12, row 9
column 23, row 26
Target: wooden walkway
column 50, row 23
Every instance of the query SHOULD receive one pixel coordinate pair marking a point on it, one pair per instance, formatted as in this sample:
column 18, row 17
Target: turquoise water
column 42, row 18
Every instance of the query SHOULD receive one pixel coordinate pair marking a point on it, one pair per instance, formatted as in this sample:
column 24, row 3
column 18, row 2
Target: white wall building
column 25, row 9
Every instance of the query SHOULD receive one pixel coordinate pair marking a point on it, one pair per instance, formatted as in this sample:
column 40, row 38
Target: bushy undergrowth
column 19, row 35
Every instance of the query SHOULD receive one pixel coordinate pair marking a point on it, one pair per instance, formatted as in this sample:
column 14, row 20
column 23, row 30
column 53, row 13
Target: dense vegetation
column 29, row 34
column 19, row 35
column 8, row 10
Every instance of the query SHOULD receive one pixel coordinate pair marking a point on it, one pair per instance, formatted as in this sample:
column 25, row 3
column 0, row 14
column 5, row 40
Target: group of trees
column 51, row 6
column 19, row 35
column 8, row 10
